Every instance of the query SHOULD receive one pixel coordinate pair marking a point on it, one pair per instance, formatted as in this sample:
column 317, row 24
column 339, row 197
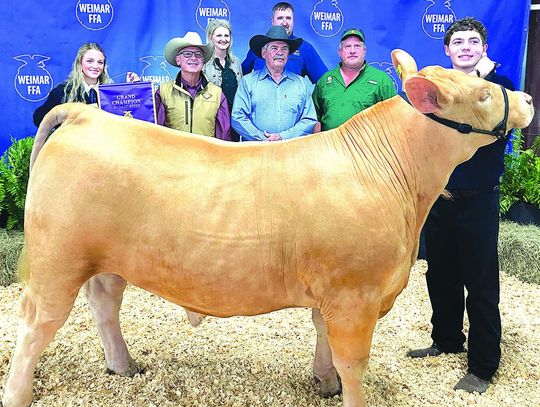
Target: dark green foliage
column 521, row 178
column 14, row 173
column 536, row 145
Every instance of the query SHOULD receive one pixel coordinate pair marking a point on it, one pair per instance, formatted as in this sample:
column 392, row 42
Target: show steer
column 329, row 221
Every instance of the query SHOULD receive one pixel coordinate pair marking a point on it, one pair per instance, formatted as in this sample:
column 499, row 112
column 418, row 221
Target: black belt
column 463, row 193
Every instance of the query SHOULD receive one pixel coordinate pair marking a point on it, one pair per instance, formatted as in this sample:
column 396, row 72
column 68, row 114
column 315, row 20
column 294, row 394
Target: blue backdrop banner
column 40, row 38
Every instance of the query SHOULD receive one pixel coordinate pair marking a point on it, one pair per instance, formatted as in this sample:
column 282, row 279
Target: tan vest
column 192, row 115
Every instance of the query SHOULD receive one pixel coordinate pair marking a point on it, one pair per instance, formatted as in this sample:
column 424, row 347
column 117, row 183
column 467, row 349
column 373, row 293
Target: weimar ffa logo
column 33, row 82
column 437, row 18
column 94, row 14
column 155, row 69
column 209, row 10
column 326, row 18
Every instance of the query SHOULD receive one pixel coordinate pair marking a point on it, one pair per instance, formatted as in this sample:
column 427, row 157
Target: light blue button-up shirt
column 261, row 105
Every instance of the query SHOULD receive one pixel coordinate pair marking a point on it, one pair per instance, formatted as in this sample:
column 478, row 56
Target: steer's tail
column 52, row 119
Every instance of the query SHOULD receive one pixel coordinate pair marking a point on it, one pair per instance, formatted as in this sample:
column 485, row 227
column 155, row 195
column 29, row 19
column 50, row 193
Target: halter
column 499, row 131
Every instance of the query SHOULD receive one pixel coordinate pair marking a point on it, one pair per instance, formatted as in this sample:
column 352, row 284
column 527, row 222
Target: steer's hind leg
column 324, row 372
column 44, row 309
column 350, row 337
column 104, row 293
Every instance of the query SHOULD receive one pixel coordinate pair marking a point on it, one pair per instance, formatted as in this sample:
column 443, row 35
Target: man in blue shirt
column 273, row 103
column 305, row 61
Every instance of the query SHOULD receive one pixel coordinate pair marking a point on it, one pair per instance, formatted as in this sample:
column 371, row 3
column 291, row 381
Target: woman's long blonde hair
column 212, row 26
column 75, row 81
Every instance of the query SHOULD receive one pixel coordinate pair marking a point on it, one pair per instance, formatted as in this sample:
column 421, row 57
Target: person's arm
column 223, row 120
column 305, row 124
column 319, row 107
column 484, row 67
column 160, row 109
column 313, row 64
column 316, row 97
column 132, row 77
column 248, row 63
column 241, row 115
column 54, row 99
column 237, row 67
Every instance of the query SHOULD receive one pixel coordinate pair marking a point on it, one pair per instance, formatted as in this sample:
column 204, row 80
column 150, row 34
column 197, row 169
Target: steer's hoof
column 194, row 318
column 328, row 387
column 131, row 371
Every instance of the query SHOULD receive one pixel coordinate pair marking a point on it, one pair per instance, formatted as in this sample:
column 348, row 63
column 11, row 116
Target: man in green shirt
column 352, row 86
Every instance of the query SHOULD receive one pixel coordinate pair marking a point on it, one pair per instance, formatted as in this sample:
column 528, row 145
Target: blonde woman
column 89, row 69
column 223, row 69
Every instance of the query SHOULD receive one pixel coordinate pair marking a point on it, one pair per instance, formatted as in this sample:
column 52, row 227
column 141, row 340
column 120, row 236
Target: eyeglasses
column 189, row 54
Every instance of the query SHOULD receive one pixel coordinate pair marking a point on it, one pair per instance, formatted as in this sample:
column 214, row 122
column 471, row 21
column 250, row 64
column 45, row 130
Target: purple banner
column 128, row 99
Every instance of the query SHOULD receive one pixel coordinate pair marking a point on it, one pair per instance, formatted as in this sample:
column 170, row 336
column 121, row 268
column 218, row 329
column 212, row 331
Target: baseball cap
column 353, row 31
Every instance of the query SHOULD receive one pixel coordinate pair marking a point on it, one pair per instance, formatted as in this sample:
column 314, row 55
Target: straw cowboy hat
column 275, row 33
column 191, row 39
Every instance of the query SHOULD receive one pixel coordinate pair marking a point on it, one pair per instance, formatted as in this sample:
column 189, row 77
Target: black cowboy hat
column 275, row 33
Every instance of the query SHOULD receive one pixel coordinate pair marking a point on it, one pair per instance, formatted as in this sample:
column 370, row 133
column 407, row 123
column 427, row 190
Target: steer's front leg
column 349, row 333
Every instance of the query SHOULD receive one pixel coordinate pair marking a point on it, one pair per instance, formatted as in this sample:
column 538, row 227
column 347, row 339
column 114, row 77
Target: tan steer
column 329, row 221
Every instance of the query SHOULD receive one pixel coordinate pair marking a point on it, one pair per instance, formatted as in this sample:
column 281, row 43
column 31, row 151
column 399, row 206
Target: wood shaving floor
column 267, row 360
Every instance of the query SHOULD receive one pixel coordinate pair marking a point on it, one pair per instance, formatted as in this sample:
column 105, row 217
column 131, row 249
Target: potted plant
column 520, row 182
column 14, row 174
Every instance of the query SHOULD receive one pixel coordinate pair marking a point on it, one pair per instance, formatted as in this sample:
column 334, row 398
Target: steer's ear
column 404, row 63
column 424, row 95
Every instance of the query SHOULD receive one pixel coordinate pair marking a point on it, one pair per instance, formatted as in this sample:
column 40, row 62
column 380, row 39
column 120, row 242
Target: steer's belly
column 225, row 294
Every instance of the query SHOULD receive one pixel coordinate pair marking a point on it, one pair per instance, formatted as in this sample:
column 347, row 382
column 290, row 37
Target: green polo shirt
column 336, row 103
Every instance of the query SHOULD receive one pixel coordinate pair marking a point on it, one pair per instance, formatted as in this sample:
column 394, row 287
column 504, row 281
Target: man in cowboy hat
column 305, row 61
column 190, row 102
column 273, row 103
column 352, row 86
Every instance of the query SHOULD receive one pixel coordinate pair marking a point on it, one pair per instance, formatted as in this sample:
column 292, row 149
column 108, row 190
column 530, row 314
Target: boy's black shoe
column 433, row 351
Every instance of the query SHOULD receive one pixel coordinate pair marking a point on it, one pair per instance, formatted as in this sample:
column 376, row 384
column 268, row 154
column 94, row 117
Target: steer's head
column 454, row 95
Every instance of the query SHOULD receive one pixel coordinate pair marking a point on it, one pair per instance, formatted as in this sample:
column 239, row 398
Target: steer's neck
column 418, row 153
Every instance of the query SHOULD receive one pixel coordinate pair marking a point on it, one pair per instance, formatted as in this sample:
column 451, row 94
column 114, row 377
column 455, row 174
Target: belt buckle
column 447, row 195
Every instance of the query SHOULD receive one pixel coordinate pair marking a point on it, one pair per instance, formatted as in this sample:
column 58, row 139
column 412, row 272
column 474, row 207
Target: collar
column 87, row 87
column 499, row 131
column 183, row 84
column 264, row 73
column 360, row 72
column 217, row 62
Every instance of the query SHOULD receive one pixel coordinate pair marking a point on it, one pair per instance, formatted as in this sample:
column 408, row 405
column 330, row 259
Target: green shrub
column 520, row 181
column 14, row 173
column 536, row 145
